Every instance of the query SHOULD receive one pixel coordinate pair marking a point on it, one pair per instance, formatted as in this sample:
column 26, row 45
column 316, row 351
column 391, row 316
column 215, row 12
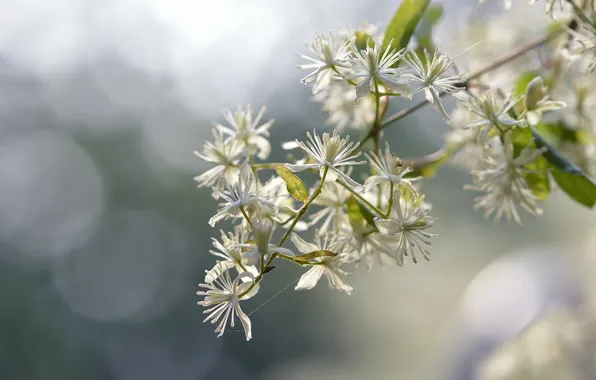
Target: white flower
column 325, row 265
column 247, row 131
column 227, row 155
column 374, row 66
column 389, row 169
column 275, row 190
column 238, row 196
column 538, row 102
column 231, row 254
column 430, row 77
column 333, row 198
column 368, row 244
column 408, row 221
column 338, row 101
column 223, row 296
column 503, row 183
column 329, row 54
column 262, row 247
column 492, row 111
column 330, row 152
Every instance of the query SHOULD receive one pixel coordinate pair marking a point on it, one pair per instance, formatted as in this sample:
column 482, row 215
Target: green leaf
column 579, row 187
column 314, row 254
column 295, row 186
column 537, row 179
column 358, row 212
column 554, row 157
column 424, row 31
column 403, row 24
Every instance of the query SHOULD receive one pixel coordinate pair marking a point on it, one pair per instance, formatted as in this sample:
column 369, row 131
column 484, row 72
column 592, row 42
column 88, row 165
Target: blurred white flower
column 227, row 155
column 492, row 110
column 246, row 129
column 333, row 199
column 368, row 245
column 503, row 183
column 338, row 101
column 329, row 54
column 261, row 247
column 239, row 196
column 223, row 295
column 430, row 77
column 408, row 222
column 328, row 266
column 373, row 66
column 332, row 152
column 276, row 192
column 389, row 169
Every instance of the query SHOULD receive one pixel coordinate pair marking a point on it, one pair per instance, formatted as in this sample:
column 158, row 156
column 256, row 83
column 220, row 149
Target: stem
column 514, row 54
column 390, row 200
column 304, row 208
column 246, row 216
column 266, row 165
column 363, row 200
column 300, row 214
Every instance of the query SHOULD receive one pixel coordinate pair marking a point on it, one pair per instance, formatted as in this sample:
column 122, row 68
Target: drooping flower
column 223, row 298
column 261, row 247
column 329, row 55
column 245, row 129
column 503, row 183
column 537, row 101
column 328, row 266
column 227, row 156
column 408, row 222
column 372, row 65
column 389, row 169
column 239, row 196
column 331, row 152
column 430, row 76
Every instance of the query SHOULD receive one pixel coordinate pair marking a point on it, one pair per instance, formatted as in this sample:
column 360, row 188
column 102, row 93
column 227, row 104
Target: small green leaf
column 579, row 187
column 403, row 24
column 537, row 179
column 424, row 31
column 362, row 40
column 357, row 212
column 295, row 186
column 314, row 254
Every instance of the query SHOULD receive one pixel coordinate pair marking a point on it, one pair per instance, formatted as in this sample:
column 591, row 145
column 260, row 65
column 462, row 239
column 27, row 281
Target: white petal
column 373, row 181
column 299, row 168
column 388, row 226
column 245, row 321
column 310, row 278
column 218, row 269
column 336, row 281
column 302, row 245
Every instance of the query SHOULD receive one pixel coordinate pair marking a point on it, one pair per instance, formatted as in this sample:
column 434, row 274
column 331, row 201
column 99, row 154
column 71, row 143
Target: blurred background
column 104, row 236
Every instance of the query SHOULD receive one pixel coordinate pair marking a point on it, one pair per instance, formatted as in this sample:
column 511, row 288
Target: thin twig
column 514, row 54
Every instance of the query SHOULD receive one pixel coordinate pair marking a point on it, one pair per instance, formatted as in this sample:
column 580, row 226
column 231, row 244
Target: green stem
column 372, row 207
column 285, row 237
column 266, row 165
column 246, row 216
column 304, row 208
column 391, row 187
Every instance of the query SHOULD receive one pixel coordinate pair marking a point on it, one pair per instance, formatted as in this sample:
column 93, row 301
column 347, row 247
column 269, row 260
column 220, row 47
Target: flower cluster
column 514, row 140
